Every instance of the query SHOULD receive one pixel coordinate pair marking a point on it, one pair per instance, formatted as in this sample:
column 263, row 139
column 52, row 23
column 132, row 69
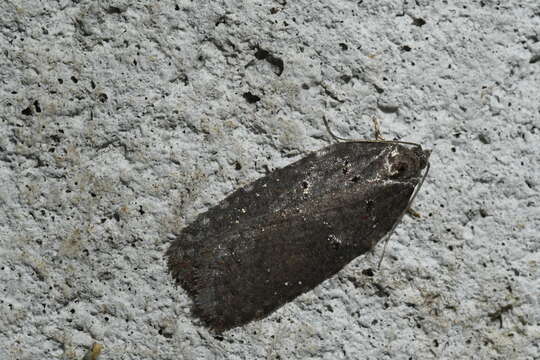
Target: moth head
column 404, row 162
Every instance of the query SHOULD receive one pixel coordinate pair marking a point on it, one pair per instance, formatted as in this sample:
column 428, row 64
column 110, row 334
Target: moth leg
column 384, row 249
column 94, row 352
column 377, row 130
column 413, row 213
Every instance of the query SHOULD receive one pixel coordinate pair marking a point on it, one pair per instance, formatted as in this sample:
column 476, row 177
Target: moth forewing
column 287, row 232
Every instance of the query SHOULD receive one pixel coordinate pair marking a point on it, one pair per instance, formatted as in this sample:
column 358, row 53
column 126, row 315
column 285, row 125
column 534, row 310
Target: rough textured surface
column 120, row 121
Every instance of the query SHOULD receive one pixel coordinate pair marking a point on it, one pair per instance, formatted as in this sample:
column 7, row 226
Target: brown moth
column 285, row 233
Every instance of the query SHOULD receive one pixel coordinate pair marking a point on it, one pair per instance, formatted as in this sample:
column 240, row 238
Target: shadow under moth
column 285, row 233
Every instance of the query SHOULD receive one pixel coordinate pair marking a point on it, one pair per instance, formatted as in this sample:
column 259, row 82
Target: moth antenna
column 378, row 136
column 403, row 214
column 334, row 136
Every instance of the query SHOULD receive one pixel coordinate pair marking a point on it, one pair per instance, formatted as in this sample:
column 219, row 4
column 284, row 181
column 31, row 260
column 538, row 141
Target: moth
column 285, row 233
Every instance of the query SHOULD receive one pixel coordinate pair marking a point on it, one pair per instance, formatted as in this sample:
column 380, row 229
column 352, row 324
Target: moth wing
column 284, row 188
column 284, row 234
column 269, row 264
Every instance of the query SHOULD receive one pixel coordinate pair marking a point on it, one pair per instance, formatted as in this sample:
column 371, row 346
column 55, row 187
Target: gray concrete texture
column 120, row 121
